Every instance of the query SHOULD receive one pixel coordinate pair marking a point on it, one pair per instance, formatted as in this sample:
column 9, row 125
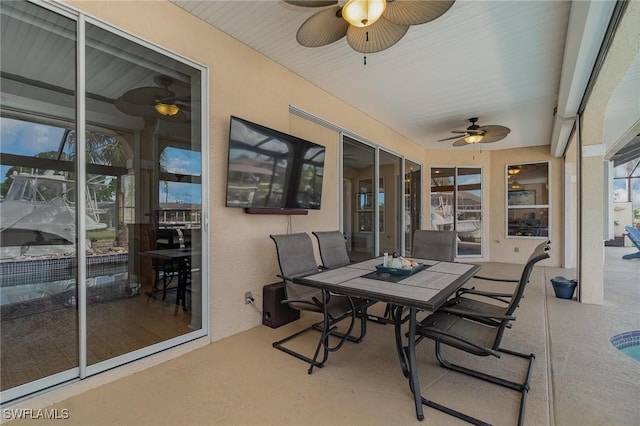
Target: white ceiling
column 500, row 61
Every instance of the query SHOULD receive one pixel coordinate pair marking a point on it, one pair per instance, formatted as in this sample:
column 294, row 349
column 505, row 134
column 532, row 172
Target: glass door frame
column 83, row 370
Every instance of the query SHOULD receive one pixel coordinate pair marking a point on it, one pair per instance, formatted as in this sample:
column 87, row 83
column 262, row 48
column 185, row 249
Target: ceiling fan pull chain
column 367, row 40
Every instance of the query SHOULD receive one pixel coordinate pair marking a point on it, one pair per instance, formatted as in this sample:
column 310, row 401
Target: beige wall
column 570, row 238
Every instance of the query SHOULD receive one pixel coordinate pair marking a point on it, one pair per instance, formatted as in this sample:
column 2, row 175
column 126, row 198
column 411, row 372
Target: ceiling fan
column 168, row 101
column 370, row 25
column 478, row 134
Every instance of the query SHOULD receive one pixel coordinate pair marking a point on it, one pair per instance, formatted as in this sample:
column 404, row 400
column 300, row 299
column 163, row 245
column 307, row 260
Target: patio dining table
column 181, row 258
column 425, row 290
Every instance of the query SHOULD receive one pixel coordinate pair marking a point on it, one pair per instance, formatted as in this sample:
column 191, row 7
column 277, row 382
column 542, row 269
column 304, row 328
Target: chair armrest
column 315, row 304
column 475, row 314
column 436, row 331
column 504, row 280
column 491, row 295
column 302, row 302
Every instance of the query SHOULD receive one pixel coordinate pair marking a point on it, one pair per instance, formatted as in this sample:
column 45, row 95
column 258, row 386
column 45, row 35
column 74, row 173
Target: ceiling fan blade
column 461, row 142
column 489, row 138
column 138, row 110
column 146, row 95
column 376, row 37
column 413, row 12
column 495, row 130
column 322, row 28
column 180, row 117
column 180, row 88
column 312, row 3
column 449, row 139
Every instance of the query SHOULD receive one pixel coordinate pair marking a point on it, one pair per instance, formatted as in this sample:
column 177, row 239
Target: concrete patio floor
column 579, row 378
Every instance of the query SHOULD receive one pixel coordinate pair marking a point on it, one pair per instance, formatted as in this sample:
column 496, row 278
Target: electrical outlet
column 248, row 298
column 516, row 249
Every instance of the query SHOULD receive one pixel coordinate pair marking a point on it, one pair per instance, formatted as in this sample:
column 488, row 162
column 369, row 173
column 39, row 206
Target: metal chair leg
column 523, row 388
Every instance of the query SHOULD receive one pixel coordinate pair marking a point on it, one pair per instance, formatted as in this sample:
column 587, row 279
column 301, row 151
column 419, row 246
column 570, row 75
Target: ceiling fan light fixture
column 514, row 170
column 167, row 109
column 362, row 13
column 473, row 138
column 515, row 185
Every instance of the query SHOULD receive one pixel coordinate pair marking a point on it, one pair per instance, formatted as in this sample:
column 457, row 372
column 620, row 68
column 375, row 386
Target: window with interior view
column 527, row 198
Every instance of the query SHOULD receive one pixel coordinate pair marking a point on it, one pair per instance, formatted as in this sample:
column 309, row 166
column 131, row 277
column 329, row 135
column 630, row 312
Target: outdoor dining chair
column 434, row 245
column 479, row 332
column 491, row 302
column 333, row 248
column 296, row 258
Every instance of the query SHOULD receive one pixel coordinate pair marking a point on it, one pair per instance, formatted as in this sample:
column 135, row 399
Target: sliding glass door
column 101, row 239
column 380, row 200
column 412, row 204
column 456, row 204
column 38, row 212
column 359, row 201
column 390, row 198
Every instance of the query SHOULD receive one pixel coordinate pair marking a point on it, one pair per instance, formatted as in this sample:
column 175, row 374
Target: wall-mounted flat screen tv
column 268, row 169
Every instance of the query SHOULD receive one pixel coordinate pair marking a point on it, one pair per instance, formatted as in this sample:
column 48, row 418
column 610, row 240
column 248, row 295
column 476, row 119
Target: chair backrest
column 167, row 238
column 541, row 252
column 296, row 258
column 434, row 245
column 333, row 248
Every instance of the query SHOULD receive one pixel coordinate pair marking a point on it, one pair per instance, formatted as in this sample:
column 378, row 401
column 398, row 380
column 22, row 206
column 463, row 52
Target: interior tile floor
column 579, row 378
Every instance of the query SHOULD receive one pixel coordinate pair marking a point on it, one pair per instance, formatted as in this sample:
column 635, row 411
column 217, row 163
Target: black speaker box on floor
column 275, row 313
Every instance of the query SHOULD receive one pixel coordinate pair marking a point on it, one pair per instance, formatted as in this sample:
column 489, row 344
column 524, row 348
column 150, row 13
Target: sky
column 24, row 138
column 27, row 138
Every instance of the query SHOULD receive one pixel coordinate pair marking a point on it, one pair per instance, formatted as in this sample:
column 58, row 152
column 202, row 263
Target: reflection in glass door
column 89, row 197
column 412, row 202
column 380, row 207
column 469, row 211
column 442, row 198
column 389, row 202
column 456, row 204
column 145, row 164
column 358, row 161
column 38, row 212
